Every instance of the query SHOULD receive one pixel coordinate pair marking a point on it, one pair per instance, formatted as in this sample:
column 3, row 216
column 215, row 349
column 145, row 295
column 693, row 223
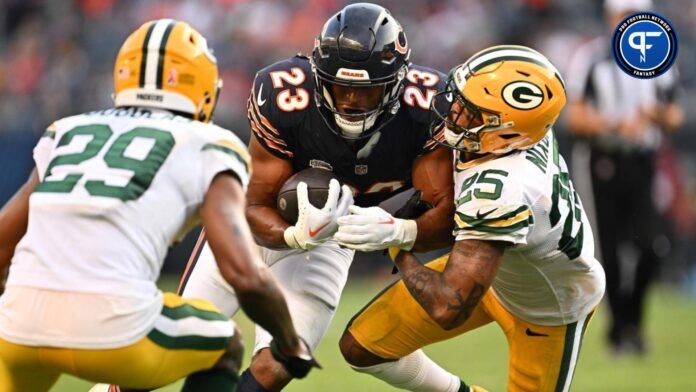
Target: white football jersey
column 550, row 275
column 118, row 187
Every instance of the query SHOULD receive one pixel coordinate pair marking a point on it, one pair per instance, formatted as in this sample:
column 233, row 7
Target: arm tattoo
column 421, row 284
column 463, row 307
column 451, row 296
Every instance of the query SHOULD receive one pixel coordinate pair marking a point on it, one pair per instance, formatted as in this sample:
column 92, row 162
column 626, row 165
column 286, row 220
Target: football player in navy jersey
column 359, row 108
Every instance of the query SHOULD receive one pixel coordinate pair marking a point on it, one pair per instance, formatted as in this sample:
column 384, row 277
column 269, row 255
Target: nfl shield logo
column 361, row 170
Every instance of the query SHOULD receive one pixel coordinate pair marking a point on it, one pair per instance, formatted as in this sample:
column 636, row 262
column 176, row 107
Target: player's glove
column 412, row 209
column 368, row 229
column 298, row 366
column 314, row 226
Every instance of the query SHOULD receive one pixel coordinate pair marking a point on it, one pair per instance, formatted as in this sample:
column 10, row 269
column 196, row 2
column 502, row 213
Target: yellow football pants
column 541, row 358
column 160, row 358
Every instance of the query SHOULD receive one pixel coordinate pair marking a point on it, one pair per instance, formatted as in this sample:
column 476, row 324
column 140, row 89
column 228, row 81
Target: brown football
column 317, row 189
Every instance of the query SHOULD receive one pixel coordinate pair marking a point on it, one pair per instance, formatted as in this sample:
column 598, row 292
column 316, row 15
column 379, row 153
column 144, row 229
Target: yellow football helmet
column 503, row 98
column 167, row 64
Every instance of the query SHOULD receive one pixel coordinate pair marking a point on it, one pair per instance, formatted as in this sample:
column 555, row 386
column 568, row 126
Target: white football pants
column 312, row 282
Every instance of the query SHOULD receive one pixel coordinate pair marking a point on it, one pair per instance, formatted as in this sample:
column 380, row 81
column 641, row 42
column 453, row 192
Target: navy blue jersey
column 285, row 119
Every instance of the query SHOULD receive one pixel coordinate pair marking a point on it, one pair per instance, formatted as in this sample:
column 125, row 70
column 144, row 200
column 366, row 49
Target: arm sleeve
column 668, row 87
column 580, row 69
column 42, row 150
column 486, row 214
column 263, row 114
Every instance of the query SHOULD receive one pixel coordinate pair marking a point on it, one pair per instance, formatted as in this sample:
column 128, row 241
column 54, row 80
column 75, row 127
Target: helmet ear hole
column 207, row 97
column 548, row 91
column 402, row 38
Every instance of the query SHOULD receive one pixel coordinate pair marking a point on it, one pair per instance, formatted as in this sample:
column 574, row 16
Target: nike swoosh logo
column 388, row 222
column 479, row 215
column 313, row 233
column 529, row 332
column 260, row 101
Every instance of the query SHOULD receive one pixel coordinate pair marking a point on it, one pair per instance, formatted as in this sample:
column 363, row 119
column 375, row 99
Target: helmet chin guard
column 354, row 129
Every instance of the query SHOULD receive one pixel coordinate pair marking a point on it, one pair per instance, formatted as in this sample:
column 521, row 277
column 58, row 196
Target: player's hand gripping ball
column 317, row 181
column 314, row 200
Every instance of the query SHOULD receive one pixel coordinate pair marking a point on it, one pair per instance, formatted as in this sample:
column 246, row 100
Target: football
column 317, row 189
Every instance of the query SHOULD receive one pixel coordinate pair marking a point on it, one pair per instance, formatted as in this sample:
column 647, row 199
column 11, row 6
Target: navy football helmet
column 360, row 47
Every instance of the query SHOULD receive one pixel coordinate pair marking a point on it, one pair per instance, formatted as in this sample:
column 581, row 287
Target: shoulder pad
column 491, row 204
column 280, row 98
column 284, row 91
column 225, row 141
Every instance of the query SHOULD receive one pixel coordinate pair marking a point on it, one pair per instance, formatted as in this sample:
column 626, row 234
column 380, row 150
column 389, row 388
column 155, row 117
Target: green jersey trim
column 503, row 224
column 228, row 151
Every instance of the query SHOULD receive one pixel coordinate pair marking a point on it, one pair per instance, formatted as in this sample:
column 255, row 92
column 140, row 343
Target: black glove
column 298, row 367
column 414, row 207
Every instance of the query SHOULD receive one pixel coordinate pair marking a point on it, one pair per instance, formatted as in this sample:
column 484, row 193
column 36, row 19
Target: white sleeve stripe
column 193, row 326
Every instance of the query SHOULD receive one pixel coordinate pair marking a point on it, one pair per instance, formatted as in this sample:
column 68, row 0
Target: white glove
column 368, row 229
column 314, row 226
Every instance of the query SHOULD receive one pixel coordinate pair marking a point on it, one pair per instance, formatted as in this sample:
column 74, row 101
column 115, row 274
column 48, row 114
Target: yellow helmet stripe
column 153, row 52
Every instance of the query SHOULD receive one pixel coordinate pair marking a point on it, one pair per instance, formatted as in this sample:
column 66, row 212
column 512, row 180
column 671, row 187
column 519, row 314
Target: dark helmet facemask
column 364, row 124
column 462, row 138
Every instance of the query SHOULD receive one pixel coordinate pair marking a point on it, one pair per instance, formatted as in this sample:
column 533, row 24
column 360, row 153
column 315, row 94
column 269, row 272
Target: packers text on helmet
column 167, row 64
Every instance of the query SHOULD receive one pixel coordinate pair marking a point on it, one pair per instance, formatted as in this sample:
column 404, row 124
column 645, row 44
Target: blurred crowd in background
column 56, row 59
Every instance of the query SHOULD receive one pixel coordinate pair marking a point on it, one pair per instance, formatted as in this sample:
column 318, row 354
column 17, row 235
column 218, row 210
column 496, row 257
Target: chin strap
column 354, row 129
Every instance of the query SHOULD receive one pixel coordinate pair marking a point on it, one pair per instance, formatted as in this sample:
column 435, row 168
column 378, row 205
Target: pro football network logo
column 645, row 45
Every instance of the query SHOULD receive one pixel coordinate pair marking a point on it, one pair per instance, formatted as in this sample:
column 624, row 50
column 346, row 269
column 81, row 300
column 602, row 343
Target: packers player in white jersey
column 88, row 233
column 523, row 254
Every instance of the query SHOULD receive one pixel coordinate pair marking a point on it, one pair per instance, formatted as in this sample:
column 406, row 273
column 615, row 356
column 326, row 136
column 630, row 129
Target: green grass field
column 480, row 356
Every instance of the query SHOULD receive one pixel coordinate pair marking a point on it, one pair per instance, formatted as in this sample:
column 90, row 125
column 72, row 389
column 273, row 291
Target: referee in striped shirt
column 620, row 122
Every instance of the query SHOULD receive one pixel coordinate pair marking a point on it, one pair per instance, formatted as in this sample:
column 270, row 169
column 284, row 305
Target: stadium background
column 56, row 59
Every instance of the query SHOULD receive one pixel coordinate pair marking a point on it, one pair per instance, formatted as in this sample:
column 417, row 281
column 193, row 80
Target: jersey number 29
column 118, row 156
